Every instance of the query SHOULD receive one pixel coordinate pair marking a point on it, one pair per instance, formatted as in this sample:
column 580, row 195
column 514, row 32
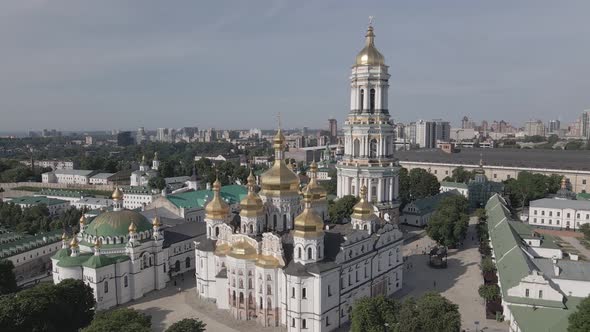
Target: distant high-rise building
column 425, row 134
column 442, row 131
column 125, row 138
column 534, row 128
column 161, row 134
column 554, row 126
column 140, row 136
column 333, row 130
column 465, row 122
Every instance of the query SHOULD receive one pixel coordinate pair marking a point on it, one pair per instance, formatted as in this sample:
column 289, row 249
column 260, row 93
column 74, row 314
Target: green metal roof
column 232, row 194
column 535, row 319
column 583, row 196
column 90, row 260
column 429, row 204
column 61, row 253
column 454, row 184
column 36, row 200
column 29, row 242
column 116, row 223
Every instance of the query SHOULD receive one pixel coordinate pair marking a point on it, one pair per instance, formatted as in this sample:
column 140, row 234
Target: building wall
column 558, row 218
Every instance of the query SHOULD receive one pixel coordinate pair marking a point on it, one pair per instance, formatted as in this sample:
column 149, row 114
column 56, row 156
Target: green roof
column 583, row 196
column 116, row 223
column 232, row 194
column 430, row 203
column 454, row 184
column 70, row 261
column 535, row 319
column 36, row 200
column 61, row 253
column 29, row 242
column 90, row 260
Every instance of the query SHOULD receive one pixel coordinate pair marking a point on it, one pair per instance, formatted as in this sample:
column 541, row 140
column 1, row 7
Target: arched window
column 125, row 281
column 274, row 222
column 269, row 304
column 234, row 298
column 241, row 283
column 151, row 261
column 284, row 222
column 241, row 298
column 216, row 231
column 251, row 228
column 299, row 252
column 106, row 287
column 268, row 290
column 372, row 100
column 250, row 283
column 309, row 253
column 177, row 266
column 373, row 148
column 365, row 227
column 261, row 303
column 356, row 149
column 188, row 262
column 362, row 99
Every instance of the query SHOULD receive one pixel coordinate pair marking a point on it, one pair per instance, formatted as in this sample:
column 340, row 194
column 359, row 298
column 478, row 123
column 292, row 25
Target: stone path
column 574, row 242
column 459, row 282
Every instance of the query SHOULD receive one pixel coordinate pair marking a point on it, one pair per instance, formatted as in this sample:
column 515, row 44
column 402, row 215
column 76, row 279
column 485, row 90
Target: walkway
column 459, row 282
column 575, row 242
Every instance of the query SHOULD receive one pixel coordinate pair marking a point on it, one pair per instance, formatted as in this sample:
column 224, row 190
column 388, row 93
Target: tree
column 187, row 325
column 120, row 320
column 370, row 314
column 7, row 278
column 489, row 292
column 157, row 182
column 416, row 184
column 80, row 301
column 436, row 313
column 530, row 186
column 342, row 208
column 585, row 229
column 579, row 321
column 487, row 265
column 331, row 185
column 448, row 224
column 481, row 214
column 459, row 174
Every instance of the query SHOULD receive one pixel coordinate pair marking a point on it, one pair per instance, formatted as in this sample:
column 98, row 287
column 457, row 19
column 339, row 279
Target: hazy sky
column 75, row 65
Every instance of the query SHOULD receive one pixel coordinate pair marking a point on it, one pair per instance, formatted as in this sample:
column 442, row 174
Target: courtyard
column 458, row 282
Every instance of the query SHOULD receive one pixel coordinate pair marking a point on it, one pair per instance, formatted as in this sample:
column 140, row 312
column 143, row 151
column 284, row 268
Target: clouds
column 77, row 64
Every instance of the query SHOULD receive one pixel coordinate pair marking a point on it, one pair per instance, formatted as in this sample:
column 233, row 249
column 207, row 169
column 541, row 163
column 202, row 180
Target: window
column 292, row 322
column 327, row 320
column 542, row 213
column 188, row 262
column 362, row 99
column 540, row 294
column 559, row 214
column 299, row 252
column 495, row 176
column 329, row 290
column 583, row 181
column 373, row 148
column 309, row 253
column 303, row 324
column 526, row 292
column 304, row 293
column 293, row 292
column 356, row 150
column 125, row 281
column 372, row 100
column 508, row 176
column 535, row 212
column 550, row 213
column 568, row 215
column 106, row 287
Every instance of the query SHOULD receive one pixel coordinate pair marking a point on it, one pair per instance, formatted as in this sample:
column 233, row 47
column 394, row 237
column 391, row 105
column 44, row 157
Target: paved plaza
column 458, row 282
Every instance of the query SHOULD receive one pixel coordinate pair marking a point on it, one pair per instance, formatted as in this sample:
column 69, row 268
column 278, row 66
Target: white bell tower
column 368, row 134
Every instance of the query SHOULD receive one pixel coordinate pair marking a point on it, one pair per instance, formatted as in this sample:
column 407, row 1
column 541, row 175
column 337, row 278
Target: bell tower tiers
column 368, row 134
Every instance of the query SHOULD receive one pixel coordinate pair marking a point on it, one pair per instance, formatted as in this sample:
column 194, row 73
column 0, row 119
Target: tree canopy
column 459, row 174
column 530, row 186
column 416, row 184
column 187, row 325
column 342, row 208
column 448, row 224
column 120, row 320
column 7, row 278
column 489, row 292
column 67, row 306
column 579, row 321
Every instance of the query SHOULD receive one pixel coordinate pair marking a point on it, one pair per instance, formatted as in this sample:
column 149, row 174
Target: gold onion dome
column 563, row 183
column 369, row 55
column 74, row 242
column 64, row 236
column 132, row 228
column 217, row 208
column 308, row 223
column 117, row 194
column 251, row 204
column 97, row 243
column 243, row 249
column 82, row 219
column 317, row 191
column 156, row 222
column 363, row 210
column 279, row 178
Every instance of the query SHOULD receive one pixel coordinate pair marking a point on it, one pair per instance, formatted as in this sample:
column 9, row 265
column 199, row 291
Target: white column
column 380, row 197
column 391, row 189
column 396, row 187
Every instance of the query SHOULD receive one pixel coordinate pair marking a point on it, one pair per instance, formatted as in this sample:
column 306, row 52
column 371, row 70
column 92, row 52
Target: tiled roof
column 552, row 203
column 232, row 194
column 36, row 200
column 29, row 242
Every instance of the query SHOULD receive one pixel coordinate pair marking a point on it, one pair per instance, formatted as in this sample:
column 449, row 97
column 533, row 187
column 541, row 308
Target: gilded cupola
column 279, row 179
column 308, row 223
column 363, row 210
column 251, row 205
column 318, row 192
column 369, row 55
column 217, row 208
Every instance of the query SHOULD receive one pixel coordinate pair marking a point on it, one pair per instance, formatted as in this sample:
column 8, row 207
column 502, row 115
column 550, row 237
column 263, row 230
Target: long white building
column 369, row 135
column 281, row 266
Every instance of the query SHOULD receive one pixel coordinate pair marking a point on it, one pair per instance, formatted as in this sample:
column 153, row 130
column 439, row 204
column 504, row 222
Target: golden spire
column 82, row 219
column 308, row 223
column 143, row 159
column 318, row 192
column 74, row 242
column 217, row 208
column 563, row 183
column 64, row 236
column 156, row 156
column 369, row 55
column 97, row 243
column 156, row 222
column 251, row 180
column 117, row 194
column 363, row 210
column 132, row 227
column 251, row 205
column 279, row 179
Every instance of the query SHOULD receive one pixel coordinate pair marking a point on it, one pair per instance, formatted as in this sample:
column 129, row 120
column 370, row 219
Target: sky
column 119, row 64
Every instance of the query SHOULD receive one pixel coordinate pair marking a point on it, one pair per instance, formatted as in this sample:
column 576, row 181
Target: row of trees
column 416, row 184
column 130, row 320
column 430, row 312
column 35, row 219
column 449, row 223
column 530, row 186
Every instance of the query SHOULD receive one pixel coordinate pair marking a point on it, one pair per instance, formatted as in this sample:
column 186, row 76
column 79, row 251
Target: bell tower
column 368, row 134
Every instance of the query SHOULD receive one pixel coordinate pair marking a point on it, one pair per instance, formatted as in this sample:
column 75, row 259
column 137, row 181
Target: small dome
column 308, row 223
column 243, row 250
column 117, row 223
column 132, row 228
column 74, row 242
column 82, row 219
column 217, row 208
column 279, row 178
column 117, row 194
column 156, row 221
column 369, row 55
column 251, row 205
column 363, row 210
column 318, row 192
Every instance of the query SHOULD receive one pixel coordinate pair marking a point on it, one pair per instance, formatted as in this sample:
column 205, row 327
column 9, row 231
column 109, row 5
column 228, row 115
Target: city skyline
column 106, row 65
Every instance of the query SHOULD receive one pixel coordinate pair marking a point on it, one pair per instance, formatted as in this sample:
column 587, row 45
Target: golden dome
column 217, row 208
column 132, row 228
column 243, row 250
column 117, row 194
column 222, row 249
column 251, row 205
column 279, row 140
column 97, row 243
column 317, row 191
column 74, row 242
column 82, row 219
column 308, row 223
column 279, row 179
column 64, row 236
column 156, row 221
column 267, row 261
column 369, row 55
column 563, row 183
column 363, row 210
